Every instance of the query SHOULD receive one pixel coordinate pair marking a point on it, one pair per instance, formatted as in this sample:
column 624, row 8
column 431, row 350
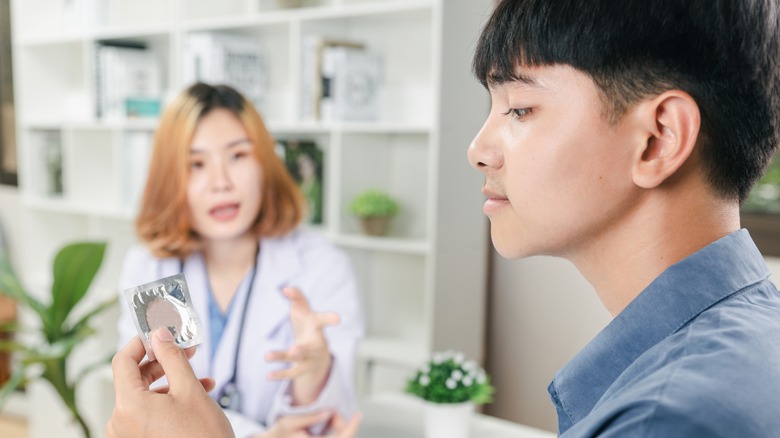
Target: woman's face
column 225, row 182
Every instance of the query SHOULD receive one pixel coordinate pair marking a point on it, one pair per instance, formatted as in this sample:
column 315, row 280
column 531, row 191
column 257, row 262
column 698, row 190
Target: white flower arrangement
column 448, row 377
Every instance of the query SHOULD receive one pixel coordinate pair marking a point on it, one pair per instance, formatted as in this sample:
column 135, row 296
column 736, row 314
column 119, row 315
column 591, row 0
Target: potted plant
column 374, row 208
column 74, row 269
column 451, row 386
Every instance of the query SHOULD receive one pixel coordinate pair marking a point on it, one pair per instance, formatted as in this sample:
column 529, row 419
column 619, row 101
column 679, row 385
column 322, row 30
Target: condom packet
column 165, row 303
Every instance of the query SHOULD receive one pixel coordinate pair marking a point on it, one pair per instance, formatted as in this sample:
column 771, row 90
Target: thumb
column 175, row 365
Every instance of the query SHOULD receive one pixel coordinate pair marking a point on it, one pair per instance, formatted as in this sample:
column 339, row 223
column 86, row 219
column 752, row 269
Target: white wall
column 542, row 312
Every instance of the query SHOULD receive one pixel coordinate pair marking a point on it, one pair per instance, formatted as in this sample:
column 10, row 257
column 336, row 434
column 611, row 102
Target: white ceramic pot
column 448, row 420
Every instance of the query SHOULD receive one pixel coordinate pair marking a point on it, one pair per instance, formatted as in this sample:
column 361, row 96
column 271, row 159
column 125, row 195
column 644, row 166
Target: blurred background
column 82, row 83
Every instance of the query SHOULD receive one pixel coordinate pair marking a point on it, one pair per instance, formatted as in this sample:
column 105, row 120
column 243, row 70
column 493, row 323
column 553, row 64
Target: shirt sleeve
column 331, row 397
column 329, row 286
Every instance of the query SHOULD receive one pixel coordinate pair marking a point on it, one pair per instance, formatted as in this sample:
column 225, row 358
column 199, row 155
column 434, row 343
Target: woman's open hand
column 310, row 356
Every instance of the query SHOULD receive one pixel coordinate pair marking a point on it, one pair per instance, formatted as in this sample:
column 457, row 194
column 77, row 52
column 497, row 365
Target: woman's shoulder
column 307, row 243
column 139, row 262
column 140, row 254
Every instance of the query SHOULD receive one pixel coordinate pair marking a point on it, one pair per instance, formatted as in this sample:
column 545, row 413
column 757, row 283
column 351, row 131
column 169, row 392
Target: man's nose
column 484, row 152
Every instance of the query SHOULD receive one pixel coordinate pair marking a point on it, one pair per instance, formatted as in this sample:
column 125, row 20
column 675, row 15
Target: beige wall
column 542, row 311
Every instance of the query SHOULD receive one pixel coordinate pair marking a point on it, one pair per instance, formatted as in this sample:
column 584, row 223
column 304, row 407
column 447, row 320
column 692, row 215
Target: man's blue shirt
column 696, row 354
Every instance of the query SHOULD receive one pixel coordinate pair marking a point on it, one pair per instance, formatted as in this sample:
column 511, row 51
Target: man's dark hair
column 724, row 53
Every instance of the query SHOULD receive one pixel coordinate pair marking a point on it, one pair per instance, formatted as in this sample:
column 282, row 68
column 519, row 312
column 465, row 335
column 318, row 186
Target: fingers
column 297, row 422
column 151, row 371
column 325, row 319
column 127, row 376
column 296, row 297
column 207, row 383
column 174, row 363
column 289, row 373
column 346, row 429
column 299, row 303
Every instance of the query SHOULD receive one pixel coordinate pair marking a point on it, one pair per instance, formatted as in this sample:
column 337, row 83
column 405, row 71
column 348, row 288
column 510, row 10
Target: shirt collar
column 673, row 299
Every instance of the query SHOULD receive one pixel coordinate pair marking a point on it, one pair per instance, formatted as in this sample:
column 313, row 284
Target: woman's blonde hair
column 163, row 221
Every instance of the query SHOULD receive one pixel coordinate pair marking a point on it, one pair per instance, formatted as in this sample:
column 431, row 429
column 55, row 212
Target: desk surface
column 401, row 416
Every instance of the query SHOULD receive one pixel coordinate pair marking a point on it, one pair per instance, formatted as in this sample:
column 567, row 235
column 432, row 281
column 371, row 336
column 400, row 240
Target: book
column 311, row 72
column 350, row 84
column 234, row 60
column 126, row 73
column 304, row 161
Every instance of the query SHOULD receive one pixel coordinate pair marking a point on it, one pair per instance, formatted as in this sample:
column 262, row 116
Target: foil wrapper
column 165, row 303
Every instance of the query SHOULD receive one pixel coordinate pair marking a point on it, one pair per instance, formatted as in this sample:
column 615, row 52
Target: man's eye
column 196, row 164
column 518, row 113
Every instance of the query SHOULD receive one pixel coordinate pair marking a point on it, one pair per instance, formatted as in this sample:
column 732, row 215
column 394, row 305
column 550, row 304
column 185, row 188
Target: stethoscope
column 229, row 397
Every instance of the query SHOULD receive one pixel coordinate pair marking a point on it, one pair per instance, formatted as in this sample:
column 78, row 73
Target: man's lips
column 494, row 202
column 493, row 195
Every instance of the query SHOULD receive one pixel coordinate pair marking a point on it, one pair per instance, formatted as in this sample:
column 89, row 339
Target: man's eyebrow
column 496, row 78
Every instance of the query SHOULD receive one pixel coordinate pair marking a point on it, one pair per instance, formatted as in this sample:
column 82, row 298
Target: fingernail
column 164, row 335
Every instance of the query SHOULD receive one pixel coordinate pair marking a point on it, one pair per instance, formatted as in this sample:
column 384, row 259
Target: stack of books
column 127, row 81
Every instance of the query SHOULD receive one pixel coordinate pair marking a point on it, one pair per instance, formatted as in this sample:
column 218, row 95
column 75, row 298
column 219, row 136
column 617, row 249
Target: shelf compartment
column 91, row 177
column 392, row 287
column 395, row 163
column 44, row 171
column 405, row 90
column 53, row 74
column 273, row 45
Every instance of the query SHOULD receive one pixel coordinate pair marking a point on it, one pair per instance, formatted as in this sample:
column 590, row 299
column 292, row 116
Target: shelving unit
column 423, row 285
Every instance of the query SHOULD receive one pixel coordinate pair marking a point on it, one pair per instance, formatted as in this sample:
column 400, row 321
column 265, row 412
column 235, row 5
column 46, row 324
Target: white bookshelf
column 423, row 285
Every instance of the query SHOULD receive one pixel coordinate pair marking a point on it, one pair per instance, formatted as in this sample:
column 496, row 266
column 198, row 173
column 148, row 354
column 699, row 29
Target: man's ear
column 672, row 121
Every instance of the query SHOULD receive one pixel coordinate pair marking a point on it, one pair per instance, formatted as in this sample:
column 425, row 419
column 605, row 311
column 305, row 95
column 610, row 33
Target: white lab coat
column 303, row 259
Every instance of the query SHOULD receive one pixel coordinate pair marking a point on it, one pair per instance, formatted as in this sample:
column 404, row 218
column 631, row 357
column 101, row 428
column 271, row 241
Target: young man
column 623, row 136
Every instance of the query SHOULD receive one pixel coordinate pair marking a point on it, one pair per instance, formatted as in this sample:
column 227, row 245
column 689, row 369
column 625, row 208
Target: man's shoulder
column 719, row 374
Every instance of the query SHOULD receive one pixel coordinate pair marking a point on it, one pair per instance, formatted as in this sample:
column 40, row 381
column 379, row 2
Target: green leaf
column 14, row 346
column 75, row 267
column 100, row 308
column 11, row 327
column 11, row 287
column 16, row 380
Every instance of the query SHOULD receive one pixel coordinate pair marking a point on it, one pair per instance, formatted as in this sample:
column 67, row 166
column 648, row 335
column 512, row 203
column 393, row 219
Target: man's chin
column 508, row 248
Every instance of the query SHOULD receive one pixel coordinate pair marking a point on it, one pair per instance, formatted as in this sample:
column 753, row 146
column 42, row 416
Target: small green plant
column 74, row 269
column 449, row 378
column 373, row 203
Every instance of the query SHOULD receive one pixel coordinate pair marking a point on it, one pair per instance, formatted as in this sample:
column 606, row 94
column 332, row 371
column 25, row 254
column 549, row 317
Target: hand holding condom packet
column 164, row 303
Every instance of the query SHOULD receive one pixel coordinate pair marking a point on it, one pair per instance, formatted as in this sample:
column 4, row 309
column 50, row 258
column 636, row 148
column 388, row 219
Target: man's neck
column 663, row 230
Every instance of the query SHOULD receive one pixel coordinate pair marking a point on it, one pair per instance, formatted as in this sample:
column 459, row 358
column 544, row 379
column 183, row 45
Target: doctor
column 220, row 207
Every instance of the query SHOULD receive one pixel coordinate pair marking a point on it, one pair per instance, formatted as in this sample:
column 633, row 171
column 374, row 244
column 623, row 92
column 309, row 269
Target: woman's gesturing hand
column 310, row 356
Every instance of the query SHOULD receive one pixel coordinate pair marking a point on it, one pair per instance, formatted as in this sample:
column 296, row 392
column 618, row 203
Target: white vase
column 448, row 420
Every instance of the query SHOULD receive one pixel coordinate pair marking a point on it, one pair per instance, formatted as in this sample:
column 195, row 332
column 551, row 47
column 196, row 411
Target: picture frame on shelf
column 304, row 161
